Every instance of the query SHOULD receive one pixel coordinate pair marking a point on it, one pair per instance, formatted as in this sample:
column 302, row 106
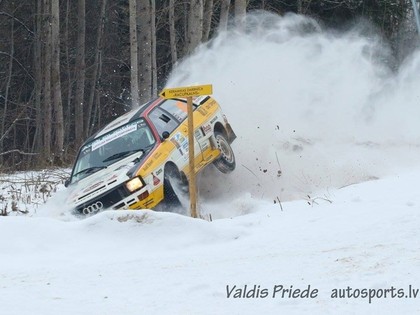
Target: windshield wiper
column 120, row 155
column 90, row 169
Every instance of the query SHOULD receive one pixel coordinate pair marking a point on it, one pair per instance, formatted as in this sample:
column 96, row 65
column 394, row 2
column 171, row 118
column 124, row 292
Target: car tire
column 173, row 185
column 226, row 162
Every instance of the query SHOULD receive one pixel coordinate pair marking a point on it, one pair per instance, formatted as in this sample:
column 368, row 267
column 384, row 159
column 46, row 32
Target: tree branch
column 18, row 62
column 17, row 151
column 19, row 21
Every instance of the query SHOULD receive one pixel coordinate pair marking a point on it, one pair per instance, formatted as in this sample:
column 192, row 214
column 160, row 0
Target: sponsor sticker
column 202, row 111
column 156, row 180
column 210, row 104
column 181, row 143
column 213, row 120
column 93, row 186
column 198, row 134
column 206, row 128
column 113, row 135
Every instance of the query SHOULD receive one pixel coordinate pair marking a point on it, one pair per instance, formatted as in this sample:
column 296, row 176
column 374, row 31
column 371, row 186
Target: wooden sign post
column 188, row 92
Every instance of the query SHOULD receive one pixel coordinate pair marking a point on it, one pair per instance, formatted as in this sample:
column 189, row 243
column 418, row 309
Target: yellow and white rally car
column 137, row 160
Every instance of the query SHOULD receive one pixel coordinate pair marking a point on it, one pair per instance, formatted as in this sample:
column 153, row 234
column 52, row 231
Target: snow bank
column 147, row 262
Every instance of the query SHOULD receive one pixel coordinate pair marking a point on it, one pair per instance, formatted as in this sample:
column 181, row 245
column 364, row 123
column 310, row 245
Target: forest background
column 69, row 67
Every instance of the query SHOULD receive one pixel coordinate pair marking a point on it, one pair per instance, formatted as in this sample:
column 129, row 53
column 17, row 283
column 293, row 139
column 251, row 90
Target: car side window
column 177, row 108
column 163, row 121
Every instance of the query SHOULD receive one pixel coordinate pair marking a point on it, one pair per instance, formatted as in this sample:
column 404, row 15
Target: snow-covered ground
column 364, row 236
column 321, row 215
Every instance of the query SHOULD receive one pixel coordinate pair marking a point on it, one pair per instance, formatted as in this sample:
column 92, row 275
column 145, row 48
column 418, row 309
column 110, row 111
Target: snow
column 145, row 262
column 324, row 197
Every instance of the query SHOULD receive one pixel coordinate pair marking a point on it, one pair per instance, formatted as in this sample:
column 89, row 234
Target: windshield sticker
column 86, row 150
column 113, row 135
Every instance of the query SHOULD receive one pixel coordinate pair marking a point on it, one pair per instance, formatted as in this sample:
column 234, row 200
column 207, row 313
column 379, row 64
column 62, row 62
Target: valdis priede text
column 277, row 291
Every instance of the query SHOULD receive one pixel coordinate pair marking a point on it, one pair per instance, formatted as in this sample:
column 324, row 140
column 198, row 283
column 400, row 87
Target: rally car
column 141, row 160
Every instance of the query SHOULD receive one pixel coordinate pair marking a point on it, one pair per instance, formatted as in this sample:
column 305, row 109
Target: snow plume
column 313, row 109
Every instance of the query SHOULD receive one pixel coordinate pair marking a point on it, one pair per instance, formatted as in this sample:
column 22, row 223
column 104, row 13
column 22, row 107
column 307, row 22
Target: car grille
column 108, row 199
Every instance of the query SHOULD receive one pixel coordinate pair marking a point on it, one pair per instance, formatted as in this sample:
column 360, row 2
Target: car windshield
column 111, row 147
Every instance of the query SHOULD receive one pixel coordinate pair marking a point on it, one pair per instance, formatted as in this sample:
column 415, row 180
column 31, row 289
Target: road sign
column 187, row 91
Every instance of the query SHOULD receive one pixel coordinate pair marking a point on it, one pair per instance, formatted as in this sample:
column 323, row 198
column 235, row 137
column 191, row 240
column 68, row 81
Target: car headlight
column 134, row 184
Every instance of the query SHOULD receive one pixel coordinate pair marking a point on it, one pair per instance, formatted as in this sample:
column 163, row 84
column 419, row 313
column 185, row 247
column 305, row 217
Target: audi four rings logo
column 94, row 207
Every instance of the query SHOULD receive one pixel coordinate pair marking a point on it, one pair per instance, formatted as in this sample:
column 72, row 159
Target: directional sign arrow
column 187, row 91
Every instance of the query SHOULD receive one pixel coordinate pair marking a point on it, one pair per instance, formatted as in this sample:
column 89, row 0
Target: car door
column 171, row 116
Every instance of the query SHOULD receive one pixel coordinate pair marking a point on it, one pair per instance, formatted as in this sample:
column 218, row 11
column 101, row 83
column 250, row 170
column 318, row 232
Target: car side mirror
column 165, row 135
column 67, row 182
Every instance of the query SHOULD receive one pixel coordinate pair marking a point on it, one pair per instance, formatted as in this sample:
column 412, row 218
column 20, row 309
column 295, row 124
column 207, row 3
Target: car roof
column 137, row 113
column 123, row 119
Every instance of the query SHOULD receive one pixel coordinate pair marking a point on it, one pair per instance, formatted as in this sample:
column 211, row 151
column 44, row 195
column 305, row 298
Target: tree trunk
column 89, row 122
column 299, row 6
column 134, row 86
column 80, row 74
column 153, row 36
column 96, row 110
column 145, row 49
column 207, row 17
column 240, row 13
column 69, row 83
column 47, row 108
column 195, row 25
column 6, row 96
column 56, row 82
column 37, row 57
column 224, row 15
column 172, row 32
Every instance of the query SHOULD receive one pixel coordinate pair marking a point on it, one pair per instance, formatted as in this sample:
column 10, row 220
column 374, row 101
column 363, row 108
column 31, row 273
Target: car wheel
column 174, row 188
column 226, row 162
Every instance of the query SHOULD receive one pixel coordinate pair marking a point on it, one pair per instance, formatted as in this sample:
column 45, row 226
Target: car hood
column 101, row 181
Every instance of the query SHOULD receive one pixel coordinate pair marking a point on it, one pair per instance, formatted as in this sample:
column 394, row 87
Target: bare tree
column 240, row 13
column 172, row 32
column 37, row 60
column 145, row 39
column 195, row 25
column 303, row 5
column 153, row 52
column 56, row 81
column 69, row 81
column 6, row 96
column 224, row 15
column 46, row 104
column 207, row 17
column 89, row 122
column 80, row 73
column 299, row 6
column 134, row 54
